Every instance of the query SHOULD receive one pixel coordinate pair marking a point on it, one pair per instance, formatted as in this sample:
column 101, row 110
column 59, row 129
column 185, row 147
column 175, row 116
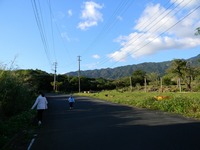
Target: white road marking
column 32, row 141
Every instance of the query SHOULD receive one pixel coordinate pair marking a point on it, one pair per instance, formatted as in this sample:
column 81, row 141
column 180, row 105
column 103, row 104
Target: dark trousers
column 39, row 114
column 71, row 104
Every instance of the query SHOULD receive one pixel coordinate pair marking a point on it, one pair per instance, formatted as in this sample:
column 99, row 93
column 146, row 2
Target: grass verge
column 15, row 133
column 186, row 104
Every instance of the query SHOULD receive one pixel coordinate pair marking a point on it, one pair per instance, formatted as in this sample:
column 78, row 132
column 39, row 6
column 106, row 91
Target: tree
column 138, row 77
column 183, row 71
column 153, row 78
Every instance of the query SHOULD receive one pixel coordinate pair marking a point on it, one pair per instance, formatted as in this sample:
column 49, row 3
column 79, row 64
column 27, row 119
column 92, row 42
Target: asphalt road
column 97, row 125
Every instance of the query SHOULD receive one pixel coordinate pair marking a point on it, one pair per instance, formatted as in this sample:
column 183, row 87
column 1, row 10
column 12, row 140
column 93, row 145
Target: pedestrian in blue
column 71, row 101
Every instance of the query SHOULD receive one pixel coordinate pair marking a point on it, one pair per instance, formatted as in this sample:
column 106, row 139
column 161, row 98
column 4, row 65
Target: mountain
column 123, row 71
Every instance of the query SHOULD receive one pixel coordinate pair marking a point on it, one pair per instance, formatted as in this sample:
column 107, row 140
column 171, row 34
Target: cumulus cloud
column 183, row 3
column 90, row 15
column 65, row 36
column 159, row 29
column 119, row 18
column 96, row 56
column 69, row 13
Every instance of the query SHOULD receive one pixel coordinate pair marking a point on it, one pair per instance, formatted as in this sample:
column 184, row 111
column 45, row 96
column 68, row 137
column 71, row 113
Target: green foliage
column 153, row 78
column 125, row 71
column 15, row 124
column 138, row 77
column 38, row 80
column 15, row 95
column 186, row 104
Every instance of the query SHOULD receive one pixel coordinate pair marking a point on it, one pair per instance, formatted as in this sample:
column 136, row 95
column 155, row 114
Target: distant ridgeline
column 124, row 71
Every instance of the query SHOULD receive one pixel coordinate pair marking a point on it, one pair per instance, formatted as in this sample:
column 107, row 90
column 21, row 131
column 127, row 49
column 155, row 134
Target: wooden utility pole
column 161, row 84
column 131, row 86
column 145, row 84
column 79, row 79
column 54, row 83
column 179, row 84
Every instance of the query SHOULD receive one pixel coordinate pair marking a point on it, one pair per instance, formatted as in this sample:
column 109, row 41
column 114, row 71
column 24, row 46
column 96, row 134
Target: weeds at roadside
column 186, row 104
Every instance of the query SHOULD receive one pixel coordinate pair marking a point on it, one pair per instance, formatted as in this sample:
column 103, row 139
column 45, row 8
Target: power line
column 167, row 29
column 122, row 7
column 145, row 25
column 151, row 24
column 40, row 24
column 52, row 33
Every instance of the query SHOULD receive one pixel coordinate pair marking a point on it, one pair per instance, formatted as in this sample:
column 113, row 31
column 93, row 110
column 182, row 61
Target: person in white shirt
column 71, row 101
column 41, row 103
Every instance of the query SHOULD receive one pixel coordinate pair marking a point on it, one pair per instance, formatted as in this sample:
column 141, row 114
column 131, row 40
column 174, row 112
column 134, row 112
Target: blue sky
column 34, row 34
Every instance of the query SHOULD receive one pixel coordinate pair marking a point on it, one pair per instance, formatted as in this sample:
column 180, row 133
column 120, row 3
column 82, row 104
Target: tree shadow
column 99, row 125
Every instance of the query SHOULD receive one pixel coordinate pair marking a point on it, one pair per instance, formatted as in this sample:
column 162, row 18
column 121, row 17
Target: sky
column 52, row 35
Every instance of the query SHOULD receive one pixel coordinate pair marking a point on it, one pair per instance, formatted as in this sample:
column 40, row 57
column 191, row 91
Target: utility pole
column 131, row 86
column 79, row 79
column 54, row 84
column 145, row 84
column 161, row 84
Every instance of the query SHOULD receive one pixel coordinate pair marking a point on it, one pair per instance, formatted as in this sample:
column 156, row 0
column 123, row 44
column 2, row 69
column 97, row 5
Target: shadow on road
column 99, row 125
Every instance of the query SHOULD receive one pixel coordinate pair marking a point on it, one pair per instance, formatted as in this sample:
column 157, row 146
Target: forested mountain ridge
column 123, row 71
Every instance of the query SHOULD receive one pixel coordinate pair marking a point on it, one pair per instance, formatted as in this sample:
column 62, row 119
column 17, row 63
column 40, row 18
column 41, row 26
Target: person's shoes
column 39, row 123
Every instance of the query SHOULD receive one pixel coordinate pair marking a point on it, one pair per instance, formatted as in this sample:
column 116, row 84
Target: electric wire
column 130, row 43
column 40, row 24
column 144, row 26
column 52, row 31
column 122, row 7
column 166, row 30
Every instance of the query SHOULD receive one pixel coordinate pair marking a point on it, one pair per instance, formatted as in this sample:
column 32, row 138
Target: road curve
column 98, row 125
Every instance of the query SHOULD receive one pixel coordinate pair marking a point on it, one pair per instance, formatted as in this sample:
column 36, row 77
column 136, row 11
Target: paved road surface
column 99, row 125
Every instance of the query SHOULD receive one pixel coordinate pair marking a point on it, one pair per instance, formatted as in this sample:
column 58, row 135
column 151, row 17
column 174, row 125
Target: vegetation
column 125, row 71
column 145, row 87
column 186, row 104
column 15, row 99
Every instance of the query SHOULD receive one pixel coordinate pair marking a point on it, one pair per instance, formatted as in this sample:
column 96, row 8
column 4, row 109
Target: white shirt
column 41, row 103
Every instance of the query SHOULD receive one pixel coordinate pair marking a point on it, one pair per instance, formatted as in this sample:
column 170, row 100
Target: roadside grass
column 185, row 103
column 16, row 131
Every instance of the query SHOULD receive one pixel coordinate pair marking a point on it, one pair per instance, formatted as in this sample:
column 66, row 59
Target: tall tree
column 183, row 71
column 153, row 78
column 138, row 77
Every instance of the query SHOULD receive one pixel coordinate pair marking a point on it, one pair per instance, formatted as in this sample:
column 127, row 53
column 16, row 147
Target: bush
column 14, row 125
column 15, row 96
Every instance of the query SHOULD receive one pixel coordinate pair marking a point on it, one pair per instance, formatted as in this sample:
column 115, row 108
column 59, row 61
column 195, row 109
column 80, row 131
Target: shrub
column 15, row 96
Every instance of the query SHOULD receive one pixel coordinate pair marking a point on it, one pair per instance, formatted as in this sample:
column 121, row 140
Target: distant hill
column 123, row 71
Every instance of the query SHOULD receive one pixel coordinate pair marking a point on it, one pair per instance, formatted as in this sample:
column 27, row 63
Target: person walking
column 41, row 103
column 71, row 101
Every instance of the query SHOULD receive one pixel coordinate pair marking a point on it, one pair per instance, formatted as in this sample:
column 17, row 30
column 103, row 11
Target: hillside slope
column 123, row 71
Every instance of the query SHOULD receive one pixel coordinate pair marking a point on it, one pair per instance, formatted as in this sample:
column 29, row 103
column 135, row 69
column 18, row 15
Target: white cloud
column 119, row 18
column 183, row 3
column 65, row 36
column 158, row 29
column 90, row 15
column 96, row 56
column 69, row 13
